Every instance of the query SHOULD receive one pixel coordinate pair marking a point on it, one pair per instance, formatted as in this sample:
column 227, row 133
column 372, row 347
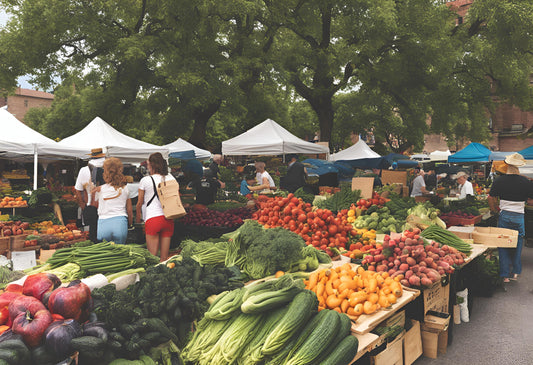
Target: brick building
column 24, row 99
column 509, row 124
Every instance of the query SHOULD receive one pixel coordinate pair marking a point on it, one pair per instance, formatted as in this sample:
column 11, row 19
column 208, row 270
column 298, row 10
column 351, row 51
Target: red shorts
column 159, row 226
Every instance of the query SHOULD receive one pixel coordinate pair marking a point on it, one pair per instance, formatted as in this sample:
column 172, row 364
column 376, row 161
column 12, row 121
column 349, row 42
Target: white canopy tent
column 439, row 155
column 181, row 145
column 99, row 134
column 20, row 142
column 269, row 138
column 357, row 151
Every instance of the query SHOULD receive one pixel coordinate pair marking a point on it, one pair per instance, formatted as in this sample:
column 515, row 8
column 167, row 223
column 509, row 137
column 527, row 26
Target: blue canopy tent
column 401, row 160
column 365, row 163
column 527, row 153
column 474, row 152
column 183, row 155
column 319, row 167
column 499, row 155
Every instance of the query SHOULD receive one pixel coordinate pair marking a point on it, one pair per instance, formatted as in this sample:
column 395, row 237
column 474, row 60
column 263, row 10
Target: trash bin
column 528, row 217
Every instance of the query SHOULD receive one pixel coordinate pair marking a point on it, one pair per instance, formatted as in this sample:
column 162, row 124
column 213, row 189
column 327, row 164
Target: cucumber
column 344, row 353
column 88, row 345
column 22, row 351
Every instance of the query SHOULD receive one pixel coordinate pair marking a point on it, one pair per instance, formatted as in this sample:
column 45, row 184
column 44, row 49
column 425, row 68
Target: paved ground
column 500, row 330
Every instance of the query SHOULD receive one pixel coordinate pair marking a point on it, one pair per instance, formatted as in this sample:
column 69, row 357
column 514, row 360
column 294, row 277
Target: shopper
column 377, row 178
column 158, row 229
column 88, row 178
column 263, row 178
column 465, row 186
column 215, row 170
column 512, row 190
column 247, row 181
column 296, row 175
column 206, row 188
column 112, row 199
column 430, row 179
column 418, row 184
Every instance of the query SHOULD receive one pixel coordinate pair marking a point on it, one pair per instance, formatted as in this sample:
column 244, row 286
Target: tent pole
column 35, row 165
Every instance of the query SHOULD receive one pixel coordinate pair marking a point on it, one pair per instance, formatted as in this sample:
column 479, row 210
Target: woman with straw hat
column 513, row 190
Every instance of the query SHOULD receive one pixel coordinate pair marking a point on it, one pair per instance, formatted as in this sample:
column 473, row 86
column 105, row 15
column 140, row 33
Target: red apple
column 73, row 301
column 30, row 319
column 38, row 285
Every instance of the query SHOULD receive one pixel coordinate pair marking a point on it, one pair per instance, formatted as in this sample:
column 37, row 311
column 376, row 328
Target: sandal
column 506, row 280
column 514, row 277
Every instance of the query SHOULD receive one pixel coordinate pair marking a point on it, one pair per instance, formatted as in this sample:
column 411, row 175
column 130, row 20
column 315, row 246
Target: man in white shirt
column 419, row 185
column 86, row 179
column 466, row 187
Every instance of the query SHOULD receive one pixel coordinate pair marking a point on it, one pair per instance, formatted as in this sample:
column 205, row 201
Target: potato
column 405, row 282
column 381, row 268
column 426, row 282
column 408, row 274
column 410, row 261
column 404, row 267
column 414, row 280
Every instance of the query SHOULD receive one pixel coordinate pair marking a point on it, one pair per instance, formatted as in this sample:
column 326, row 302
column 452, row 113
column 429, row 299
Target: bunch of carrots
column 354, row 291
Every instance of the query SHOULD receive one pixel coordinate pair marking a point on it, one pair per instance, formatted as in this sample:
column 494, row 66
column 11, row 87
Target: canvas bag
column 169, row 197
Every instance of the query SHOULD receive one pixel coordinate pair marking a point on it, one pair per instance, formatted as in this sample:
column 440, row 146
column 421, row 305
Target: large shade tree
column 176, row 66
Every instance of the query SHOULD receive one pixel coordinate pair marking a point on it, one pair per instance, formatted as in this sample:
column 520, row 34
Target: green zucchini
column 345, row 327
column 344, row 352
column 300, row 310
column 11, row 356
column 307, row 331
column 88, row 344
column 22, row 351
column 318, row 340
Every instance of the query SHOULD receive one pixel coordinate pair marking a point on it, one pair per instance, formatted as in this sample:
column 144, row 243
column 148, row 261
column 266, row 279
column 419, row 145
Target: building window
column 26, row 103
column 459, row 20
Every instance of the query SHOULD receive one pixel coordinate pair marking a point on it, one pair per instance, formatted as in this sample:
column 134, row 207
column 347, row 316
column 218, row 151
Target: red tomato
column 311, row 215
column 368, row 203
column 332, row 229
column 295, row 201
column 302, row 217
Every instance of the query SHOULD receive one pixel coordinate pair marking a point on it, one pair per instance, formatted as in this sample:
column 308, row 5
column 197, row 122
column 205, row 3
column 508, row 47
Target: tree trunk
column 201, row 117
column 323, row 106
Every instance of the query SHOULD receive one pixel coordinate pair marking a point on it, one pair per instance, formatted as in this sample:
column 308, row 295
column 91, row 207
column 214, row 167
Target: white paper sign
column 23, row 260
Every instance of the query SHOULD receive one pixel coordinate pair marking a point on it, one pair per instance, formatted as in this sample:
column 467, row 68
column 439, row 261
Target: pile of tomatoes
column 320, row 228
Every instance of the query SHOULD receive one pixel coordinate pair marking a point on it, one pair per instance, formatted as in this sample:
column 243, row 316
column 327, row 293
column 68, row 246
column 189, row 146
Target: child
column 245, row 183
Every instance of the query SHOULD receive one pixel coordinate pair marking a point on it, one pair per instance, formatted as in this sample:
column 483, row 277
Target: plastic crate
column 469, row 221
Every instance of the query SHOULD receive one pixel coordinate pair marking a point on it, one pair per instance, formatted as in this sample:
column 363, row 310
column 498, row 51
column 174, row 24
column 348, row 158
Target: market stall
column 359, row 155
column 269, row 138
column 20, row 142
column 184, row 150
column 99, row 134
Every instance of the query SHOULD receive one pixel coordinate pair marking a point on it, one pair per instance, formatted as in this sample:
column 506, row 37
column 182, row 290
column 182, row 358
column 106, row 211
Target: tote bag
column 169, row 197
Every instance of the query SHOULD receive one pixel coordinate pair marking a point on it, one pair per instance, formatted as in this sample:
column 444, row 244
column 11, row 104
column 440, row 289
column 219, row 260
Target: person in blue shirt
column 247, row 181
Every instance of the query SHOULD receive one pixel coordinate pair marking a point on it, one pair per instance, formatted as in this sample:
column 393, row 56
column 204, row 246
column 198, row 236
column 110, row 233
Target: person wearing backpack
column 159, row 229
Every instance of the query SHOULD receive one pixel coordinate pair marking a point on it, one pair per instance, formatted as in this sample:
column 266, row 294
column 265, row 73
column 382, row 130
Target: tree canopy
column 206, row 71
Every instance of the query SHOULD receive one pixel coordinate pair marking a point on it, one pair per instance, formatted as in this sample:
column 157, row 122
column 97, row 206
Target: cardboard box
column 394, row 177
column 412, row 343
column 405, row 191
column 365, row 184
column 434, row 342
column 495, row 237
column 45, row 255
column 464, row 233
column 391, row 355
column 436, row 298
column 437, row 320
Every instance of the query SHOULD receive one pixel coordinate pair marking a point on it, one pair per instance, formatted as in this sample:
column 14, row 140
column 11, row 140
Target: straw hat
column 515, row 159
column 96, row 153
column 459, row 174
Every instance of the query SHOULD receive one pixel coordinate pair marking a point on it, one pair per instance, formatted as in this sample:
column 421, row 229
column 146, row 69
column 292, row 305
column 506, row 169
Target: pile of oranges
column 10, row 202
column 354, row 290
